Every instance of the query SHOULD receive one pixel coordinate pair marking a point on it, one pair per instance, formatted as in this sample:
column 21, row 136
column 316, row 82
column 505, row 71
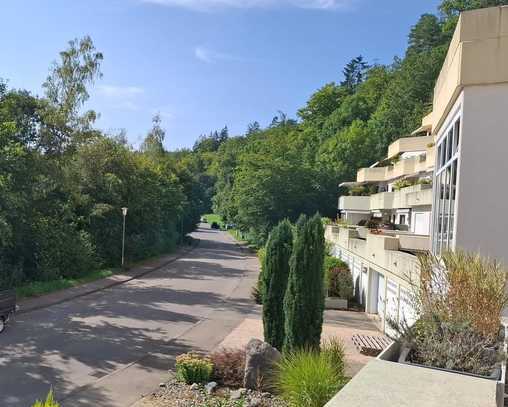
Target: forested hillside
column 295, row 166
column 63, row 183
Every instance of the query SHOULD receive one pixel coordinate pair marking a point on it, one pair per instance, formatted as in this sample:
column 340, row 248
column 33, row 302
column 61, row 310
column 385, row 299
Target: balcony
column 417, row 243
column 409, row 144
column 374, row 174
column 383, row 250
column 401, row 168
column 354, row 203
column 419, row 196
column 415, row 195
column 382, row 201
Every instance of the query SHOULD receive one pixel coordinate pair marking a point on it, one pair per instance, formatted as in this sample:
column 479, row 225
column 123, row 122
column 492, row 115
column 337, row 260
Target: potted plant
column 458, row 300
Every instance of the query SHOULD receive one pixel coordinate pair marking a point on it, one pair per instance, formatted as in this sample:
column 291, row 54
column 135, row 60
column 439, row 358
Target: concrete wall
column 481, row 36
column 482, row 200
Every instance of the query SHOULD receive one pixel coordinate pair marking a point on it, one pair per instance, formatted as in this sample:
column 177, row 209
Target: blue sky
column 203, row 64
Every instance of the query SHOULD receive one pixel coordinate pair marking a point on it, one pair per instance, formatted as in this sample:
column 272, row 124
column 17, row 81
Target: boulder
column 260, row 359
column 255, row 402
column 211, row 387
column 237, row 394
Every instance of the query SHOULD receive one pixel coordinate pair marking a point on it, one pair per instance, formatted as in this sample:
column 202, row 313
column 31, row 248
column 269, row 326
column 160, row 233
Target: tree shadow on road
column 72, row 344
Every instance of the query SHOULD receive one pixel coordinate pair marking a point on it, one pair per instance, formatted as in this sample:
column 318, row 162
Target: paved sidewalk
column 47, row 300
column 338, row 324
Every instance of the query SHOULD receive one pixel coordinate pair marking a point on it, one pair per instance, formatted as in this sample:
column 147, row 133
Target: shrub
column 331, row 262
column 215, row 225
column 358, row 190
column 326, row 221
column 229, row 366
column 459, row 299
column 255, row 294
column 372, row 224
column 304, row 299
column 452, row 345
column 192, row 368
column 333, row 349
column 275, row 279
column 403, row 184
column 340, row 283
column 257, row 290
column 307, row 378
column 463, row 287
column 50, row 401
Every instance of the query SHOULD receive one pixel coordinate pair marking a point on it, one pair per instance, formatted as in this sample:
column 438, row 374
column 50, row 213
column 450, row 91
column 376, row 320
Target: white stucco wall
column 482, row 222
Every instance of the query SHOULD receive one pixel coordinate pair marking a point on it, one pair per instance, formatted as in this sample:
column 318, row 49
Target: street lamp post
column 124, row 213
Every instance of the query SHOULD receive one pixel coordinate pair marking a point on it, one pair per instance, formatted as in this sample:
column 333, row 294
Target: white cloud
column 210, row 56
column 121, row 97
column 205, row 5
column 119, row 91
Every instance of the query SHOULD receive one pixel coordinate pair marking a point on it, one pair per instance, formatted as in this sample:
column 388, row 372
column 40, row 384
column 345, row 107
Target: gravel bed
column 177, row 394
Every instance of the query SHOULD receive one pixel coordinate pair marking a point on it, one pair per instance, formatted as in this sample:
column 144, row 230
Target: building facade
column 440, row 188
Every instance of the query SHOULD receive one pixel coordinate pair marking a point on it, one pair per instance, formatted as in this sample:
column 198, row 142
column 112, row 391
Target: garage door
column 421, row 223
column 357, row 281
column 406, row 310
column 381, row 299
column 392, row 305
column 365, row 282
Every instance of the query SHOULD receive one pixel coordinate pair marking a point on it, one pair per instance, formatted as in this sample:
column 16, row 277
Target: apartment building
column 443, row 186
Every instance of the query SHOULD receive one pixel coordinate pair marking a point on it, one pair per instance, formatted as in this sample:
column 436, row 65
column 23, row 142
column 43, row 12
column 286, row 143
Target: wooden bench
column 370, row 345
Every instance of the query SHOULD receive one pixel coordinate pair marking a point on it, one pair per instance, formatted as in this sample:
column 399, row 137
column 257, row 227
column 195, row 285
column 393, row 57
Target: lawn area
column 212, row 217
column 37, row 288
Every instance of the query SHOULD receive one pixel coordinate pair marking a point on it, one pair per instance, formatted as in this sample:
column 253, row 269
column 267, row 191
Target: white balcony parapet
column 409, row 144
column 415, row 195
column 354, row 203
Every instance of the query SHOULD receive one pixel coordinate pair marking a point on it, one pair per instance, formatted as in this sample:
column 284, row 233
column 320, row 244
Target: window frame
column 445, row 183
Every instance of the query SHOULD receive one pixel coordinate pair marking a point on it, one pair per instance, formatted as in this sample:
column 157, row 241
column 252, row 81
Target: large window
column 445, row 188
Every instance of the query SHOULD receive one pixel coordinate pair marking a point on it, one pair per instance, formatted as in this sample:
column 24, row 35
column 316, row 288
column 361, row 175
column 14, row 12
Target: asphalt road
column 109, row 348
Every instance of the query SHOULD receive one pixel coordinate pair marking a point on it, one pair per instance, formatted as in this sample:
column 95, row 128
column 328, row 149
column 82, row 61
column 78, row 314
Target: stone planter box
column 362, row 232
column 394, row 353
column 495, row 374
column 336, row 303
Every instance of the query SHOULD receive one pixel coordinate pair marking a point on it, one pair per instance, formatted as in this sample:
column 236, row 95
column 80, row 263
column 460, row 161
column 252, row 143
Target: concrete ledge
column 389, row 384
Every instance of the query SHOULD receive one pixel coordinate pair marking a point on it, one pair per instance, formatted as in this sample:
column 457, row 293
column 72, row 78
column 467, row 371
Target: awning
column 425, row 128
column 351, row 184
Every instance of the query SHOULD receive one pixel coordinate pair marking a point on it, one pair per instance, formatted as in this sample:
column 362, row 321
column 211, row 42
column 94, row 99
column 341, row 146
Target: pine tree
column 275, row 278
column 354, row 73
column 304, row 298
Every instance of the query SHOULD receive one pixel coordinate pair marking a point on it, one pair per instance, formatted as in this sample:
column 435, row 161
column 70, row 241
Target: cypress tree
column 304, row 298
column 275, row 278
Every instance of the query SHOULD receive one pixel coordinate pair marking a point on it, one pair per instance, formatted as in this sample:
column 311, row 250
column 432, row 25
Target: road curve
column 109, row 348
